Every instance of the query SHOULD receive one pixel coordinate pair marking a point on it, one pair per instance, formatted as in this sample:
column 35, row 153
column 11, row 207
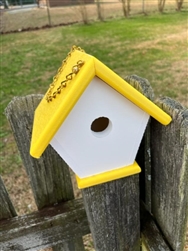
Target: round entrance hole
column 100, row 124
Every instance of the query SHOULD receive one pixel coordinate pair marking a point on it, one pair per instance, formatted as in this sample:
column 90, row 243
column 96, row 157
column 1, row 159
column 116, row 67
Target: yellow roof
column 72, row 79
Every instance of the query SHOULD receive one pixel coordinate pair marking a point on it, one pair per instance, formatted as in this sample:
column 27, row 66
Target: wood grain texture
column 143, row 159
column 49, row 176
column 169, row 156
column 6, row 207
column 60, row 224
column 152, row 239
column 71, row 245
column 113, row 212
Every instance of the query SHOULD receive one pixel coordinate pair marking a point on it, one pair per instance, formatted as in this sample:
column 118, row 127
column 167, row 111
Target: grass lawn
column 153, row 47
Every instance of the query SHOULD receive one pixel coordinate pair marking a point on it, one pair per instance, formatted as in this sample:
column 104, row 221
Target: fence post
column 143, row 6
column 49, row 176
column 113, row 207
column 99, row 10
column 152, row 239
column 113, row 213
column 169, row 158
column 48, row 12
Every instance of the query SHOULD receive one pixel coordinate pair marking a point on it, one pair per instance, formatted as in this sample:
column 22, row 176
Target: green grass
column 153, row 47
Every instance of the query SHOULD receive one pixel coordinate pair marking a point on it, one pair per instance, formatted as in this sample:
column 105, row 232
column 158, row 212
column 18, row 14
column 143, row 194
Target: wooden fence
column 112, row 211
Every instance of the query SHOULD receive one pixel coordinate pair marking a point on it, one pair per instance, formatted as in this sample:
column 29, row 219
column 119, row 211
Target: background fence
column 20, row 15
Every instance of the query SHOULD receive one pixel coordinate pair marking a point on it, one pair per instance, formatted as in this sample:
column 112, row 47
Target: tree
column 179, row 4
column 6, row 4
column 83, row 11
column 38, row 3
column 161, row 5
column 48, row 12
column 126, row 5
column 143, row 7
column 99, row 10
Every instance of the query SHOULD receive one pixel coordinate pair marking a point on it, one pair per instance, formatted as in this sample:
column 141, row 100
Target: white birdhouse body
column 94, row 119
column 89, row 152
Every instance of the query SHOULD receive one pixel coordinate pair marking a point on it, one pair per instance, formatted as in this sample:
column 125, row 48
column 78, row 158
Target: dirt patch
column 20, row 192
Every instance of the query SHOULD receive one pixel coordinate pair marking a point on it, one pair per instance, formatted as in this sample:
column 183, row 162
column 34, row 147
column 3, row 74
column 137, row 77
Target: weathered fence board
column 169, row 155
column 49, row 176
column 65, row 222
column 6, row 207
column 71, row 245
column 152, row 239
column 143, row 158
column 113, row 211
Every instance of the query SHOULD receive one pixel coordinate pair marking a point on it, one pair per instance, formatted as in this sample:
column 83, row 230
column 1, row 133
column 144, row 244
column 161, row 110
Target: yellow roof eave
column 130, row 93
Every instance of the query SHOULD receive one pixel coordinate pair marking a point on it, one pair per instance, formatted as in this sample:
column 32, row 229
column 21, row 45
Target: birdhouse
column 93, row 119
